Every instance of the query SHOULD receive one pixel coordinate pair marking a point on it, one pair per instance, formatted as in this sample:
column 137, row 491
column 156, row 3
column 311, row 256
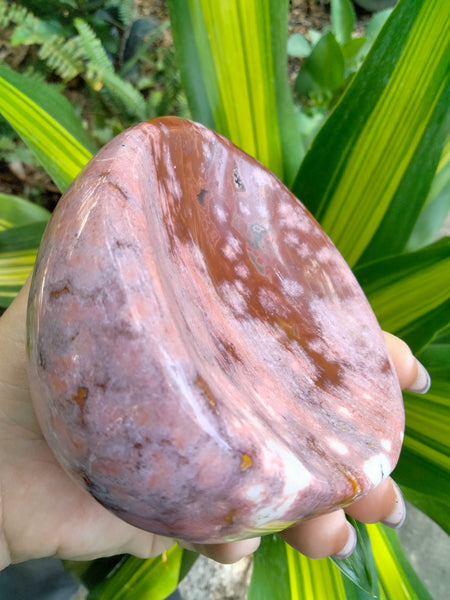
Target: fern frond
column 128, row 95
column 126, row 11
column 4, row 14
column 121, row 94
column 100, row 72
column 93, row 47
column 28, row 29
column 63, row 57
column 14, row 14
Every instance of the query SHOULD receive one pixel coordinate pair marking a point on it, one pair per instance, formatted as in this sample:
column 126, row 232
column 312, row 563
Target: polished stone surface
column 202, row 359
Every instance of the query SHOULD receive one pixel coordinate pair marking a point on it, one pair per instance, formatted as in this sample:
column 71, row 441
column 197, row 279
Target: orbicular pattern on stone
column 202, row 359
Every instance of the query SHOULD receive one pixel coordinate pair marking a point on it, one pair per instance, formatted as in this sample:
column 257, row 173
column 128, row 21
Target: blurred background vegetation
column 115, row 63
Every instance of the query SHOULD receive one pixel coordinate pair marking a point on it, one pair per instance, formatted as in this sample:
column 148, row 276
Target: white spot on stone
column 220, row 213
column 387, row 445
column 377, row 468
column 296, row 478
column 232, row 248
column 234, row 242
column 325, row 254
column 293, row 217
column 291, row 288
column 337, row 445
column 305, row 250
column 241, row 287
column 229, row 253
column 242, row 271
column 267, row 301
column 244, row 209
column 233, row 298
column 344, row 411
column 255, row 493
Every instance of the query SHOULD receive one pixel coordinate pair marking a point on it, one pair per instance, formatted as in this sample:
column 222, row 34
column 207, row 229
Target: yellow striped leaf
column 367, row 174
column 233, row 61
column 58, row 150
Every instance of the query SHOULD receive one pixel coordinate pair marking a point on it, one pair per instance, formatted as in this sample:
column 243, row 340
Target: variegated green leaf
column 233, row 61
column 18, row 250
column 424, row 467
column 282, row 573
column 139, row 579
column 22, row 224
column 15, row 211
column 270, row 575
column 308, row 578
column 396, row 577
column 58, row 150
column 437, row 205
column 409, row 294
column 368, row 172
column 359, row 568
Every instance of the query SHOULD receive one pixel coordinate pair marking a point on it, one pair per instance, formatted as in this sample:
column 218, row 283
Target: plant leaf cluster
column 333, row 56
column 116, row 58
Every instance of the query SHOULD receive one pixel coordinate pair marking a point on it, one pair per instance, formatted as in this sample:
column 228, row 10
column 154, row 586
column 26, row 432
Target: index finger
column 411, row 374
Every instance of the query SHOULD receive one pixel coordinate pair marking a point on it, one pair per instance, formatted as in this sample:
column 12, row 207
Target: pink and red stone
column 202, row 359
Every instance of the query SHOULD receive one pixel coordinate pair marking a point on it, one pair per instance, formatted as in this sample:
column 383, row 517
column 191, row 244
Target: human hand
column 44, row 513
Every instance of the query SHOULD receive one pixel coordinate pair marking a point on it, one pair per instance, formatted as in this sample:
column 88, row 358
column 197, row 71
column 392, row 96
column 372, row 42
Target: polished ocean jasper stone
column 201, row 358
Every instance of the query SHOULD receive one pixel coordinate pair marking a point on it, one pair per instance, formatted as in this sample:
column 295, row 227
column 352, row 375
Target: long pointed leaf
column 362, row 173
column 15, row 211
column 342, row 20
column 282, row 573
column 424, row 466
column 309, row 578
column 409, row 293
column 22, row 224
column 51, row 101
column 270, row 576
column 436, row 208
column 397, row 579
column 359, row 568
column 18, row 250
column 426, row 444
column 59, row 152
column 138, row 579
column 232, row 57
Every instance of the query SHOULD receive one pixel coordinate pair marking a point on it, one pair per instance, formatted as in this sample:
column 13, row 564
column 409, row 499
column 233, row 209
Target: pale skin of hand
column 44, row 513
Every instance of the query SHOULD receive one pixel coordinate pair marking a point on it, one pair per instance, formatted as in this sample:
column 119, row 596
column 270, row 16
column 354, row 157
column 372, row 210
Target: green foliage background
column 376, row 176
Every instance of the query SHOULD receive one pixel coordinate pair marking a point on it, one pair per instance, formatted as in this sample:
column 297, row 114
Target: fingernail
column 350, row 544
column 247, row 547
column 423, row 381
column 397, row 517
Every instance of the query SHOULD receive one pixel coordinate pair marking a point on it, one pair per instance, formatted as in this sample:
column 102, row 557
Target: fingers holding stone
column 327, row 535
column 411, row 374
column 383, row 504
